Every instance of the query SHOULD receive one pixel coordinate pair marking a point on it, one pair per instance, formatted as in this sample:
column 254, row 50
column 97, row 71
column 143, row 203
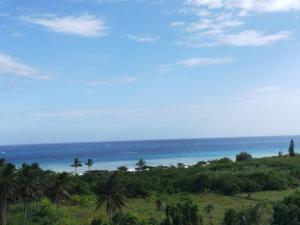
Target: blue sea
column 110, row 155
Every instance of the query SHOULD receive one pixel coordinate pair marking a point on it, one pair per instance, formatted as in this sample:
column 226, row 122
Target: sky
column 103, row 70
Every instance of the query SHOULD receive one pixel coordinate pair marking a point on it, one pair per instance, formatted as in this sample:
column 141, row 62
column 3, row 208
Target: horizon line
column 150, row 140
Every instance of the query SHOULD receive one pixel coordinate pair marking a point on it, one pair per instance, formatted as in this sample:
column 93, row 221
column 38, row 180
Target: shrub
column 287, row 211
column 182, row 214
column 243, row 156
column 46, row 209
column 84, row 200
column 46, row 214
column 159, row 204
column 135, row 189
column 269, row 181
column 226, row 184
column 201, row 183
column 231, row 217
column 251, row 186
column 96, row 222
column 125, row 219
column 250, row 216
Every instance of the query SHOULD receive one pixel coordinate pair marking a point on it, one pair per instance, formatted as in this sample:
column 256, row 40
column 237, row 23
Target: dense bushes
column 200, row 183
column 232, row 183
column 126, row 219
column 226, row 184
column 84, row 200
column 243, row 156
column 185, row 213
column 250, row 216
column 221, row 176
column 287, row 211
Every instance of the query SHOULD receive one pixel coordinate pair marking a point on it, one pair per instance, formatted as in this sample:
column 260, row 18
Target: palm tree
column 77, row 163
column 2, row 162
column 251, row 216
column 208, row 210
column 89, row 164
column 292, row 148
column 29, row 187
column 7, row 181
column 254, row 215
column 141, row 164
column 111, row 193
column 231, row 217
column 61, row 186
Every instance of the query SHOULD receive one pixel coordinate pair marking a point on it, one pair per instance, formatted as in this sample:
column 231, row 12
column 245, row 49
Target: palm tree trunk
column 109, row 210
column 25, row 215
column 58, row 211
column 110, row 215
column 4, row 214
column 1, row 208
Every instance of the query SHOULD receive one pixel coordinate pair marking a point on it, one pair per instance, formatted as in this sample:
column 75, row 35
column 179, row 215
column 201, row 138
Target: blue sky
column 97, row 70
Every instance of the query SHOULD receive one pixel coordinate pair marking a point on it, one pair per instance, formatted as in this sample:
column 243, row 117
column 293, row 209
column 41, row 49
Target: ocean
column 110, row 155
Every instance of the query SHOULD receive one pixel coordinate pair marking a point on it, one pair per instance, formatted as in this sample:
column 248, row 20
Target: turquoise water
column 110, row 155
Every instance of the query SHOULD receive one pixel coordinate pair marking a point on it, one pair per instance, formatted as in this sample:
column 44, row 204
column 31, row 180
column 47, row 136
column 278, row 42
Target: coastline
column 130, row 164
column 111, row 155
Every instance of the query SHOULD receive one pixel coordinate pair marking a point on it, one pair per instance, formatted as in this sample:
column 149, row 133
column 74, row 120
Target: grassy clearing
column 270, row 196
column 146, row 208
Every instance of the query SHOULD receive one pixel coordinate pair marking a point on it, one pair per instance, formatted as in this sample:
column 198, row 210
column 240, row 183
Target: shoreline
column 110, row 156
column 130, row 164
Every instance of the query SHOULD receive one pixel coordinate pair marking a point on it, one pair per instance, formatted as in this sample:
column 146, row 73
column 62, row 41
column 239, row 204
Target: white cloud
column 209, row 3
column 214, row 25
column 249, row 5
column 164, row 68
column 193, row 62
column 84, row 25
column 225, row 26
column 128, row 79
column 253, row 38
column 11, row 66
column 143, row 38
column 204, row 61
column 211, row 38
column 67, row 113
column 203, row 12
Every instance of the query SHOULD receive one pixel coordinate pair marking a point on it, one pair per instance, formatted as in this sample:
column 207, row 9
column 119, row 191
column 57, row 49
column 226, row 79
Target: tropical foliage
column 32, row 196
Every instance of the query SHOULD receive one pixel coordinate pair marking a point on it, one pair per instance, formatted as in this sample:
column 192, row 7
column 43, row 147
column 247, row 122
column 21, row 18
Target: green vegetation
column 243, row 156
column 287, row 211
column 292, row 149
column 141, row 165
column 77, row 163
column 89, row 164
column 220, row 192
column 111, row 194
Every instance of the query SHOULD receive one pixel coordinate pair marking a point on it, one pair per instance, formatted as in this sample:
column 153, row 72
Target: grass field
column 146, row 208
